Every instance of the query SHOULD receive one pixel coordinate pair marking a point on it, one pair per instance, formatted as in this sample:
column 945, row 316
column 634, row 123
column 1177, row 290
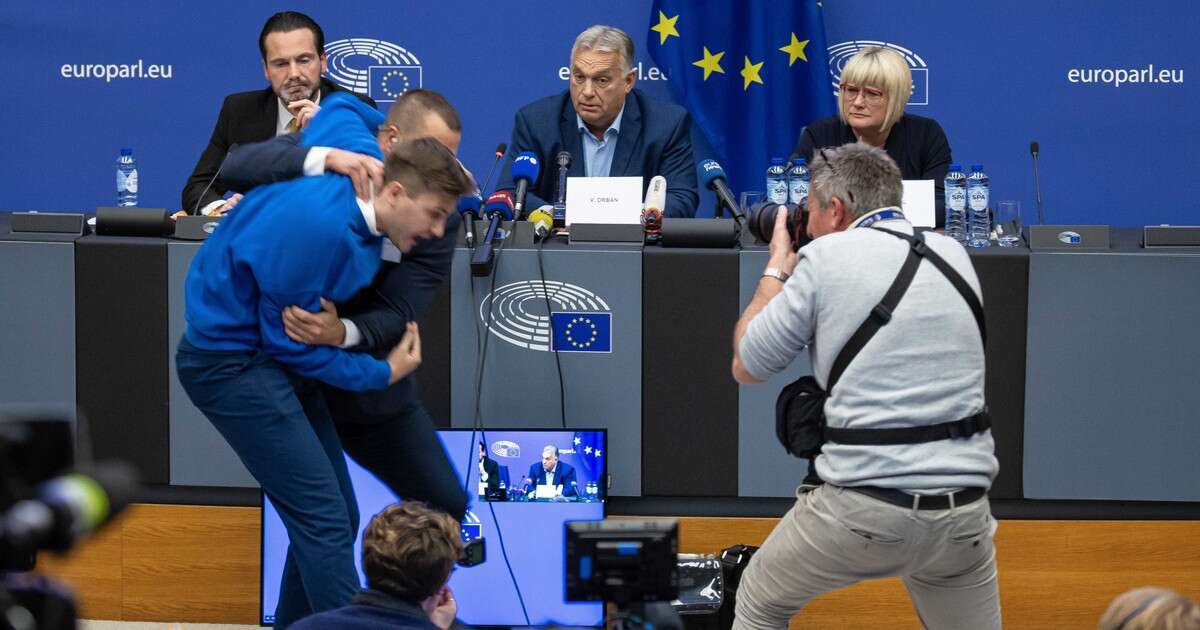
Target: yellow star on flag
column 665, row 27
column 711, row 63
column 795, row 50
column 750, row 74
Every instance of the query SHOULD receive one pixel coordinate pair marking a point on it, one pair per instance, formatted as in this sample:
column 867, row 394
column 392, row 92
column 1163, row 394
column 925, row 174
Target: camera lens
column 762, row 222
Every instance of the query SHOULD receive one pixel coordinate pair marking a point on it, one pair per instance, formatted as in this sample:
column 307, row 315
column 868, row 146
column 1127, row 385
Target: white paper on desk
column 917, row 202
column 547, row 492
column 604, row 200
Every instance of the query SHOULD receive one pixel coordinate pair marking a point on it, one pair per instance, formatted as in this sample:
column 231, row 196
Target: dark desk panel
column 121, row 349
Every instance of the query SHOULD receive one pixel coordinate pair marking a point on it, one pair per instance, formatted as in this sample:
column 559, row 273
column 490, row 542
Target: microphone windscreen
column 1033, row 147
column 469, row 203
column 501, row 149
column 499, row 201
column 525, row 166
column 543, row 217
column 563, row 158
column 709, row 172
column 656, row 193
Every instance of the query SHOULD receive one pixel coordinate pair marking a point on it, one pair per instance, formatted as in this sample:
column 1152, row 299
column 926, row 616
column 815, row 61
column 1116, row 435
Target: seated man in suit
column 609, row 128
column 489, row 473
column 293, row 52
column 553, row 473
column 407, row 554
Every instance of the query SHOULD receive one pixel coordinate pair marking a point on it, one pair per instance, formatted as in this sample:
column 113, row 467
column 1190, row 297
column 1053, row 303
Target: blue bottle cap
column 976, row 167
column 956, row 167
column 801, row 162
column 776, row 161
column 126, row 151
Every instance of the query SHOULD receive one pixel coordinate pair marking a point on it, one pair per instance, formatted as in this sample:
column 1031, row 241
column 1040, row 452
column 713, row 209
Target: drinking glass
column 749, row 198
column 1008, row 223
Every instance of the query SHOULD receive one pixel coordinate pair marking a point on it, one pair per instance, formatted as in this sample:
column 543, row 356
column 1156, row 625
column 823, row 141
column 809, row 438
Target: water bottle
column 127, row 178
column 956, row 204
column 979, row 215
column 777, row 184
column 798, row 183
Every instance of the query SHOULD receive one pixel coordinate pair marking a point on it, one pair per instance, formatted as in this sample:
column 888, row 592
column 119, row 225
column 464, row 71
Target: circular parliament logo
column 379, row 69
column 841, row 53
column 518, row 316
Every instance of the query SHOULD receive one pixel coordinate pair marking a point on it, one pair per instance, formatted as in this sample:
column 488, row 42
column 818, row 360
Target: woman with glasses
column 876, row 83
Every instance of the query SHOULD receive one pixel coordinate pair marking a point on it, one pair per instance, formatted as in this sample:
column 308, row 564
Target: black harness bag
column 800, row 409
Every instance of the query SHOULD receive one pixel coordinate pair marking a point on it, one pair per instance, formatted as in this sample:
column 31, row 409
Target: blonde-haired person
column 875, row 85
column 1151, row 608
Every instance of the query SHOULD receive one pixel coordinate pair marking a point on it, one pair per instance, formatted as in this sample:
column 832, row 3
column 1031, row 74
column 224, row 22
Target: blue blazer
column 564, row 475
column 655, row 139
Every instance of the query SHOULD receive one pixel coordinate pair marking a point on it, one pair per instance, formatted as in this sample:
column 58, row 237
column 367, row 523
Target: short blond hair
column 881, row 68
column 1151, row 608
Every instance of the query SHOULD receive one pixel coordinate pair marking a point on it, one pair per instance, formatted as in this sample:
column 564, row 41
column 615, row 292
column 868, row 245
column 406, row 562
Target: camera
column 48, row 503
column 762, row 222
column 622, row 561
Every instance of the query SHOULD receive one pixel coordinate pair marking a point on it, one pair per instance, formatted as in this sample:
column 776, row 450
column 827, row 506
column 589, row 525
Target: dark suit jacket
column 245, row 117
column 655, row 139
column 493, row 471
column 564, row 475
column 369, row 610
column 917, row 144
column 410, row 286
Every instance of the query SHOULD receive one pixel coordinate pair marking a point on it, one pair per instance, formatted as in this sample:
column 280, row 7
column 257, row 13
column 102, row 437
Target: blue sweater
column 292, row 243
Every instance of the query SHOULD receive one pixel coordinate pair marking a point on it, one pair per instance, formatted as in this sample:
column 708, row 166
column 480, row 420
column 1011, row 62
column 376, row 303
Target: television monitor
column 532, row 526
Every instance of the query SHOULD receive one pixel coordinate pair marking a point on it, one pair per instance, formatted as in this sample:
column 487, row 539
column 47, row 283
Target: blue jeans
column 279, row 426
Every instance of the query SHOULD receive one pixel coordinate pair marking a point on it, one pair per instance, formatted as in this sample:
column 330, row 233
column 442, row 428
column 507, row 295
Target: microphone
column 200, row 200
column 563, row 160
column 652, row 209
column 713, row 178
column 468, row 207
column 1037, row 182
column 499, row 205
column 501, row 149
column 498, row 208
column 542, row 221
column 525, row 171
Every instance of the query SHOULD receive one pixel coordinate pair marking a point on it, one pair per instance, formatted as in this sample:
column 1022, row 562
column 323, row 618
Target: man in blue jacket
column 609, row 128
column 388, row 432
column 294, row 243
column 553, row 473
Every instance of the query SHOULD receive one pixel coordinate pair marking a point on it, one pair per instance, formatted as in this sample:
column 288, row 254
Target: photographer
column 918, row 507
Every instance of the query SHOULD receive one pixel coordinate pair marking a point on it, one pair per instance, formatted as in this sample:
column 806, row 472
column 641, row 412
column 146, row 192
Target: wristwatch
column 775, row 272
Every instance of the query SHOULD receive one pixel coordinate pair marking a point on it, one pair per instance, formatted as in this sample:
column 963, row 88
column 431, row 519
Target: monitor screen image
column 529, row 510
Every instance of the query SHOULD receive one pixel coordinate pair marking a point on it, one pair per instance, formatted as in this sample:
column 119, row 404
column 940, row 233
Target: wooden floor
column 201, row 564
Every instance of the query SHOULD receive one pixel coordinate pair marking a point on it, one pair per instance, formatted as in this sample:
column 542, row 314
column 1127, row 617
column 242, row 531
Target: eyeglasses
column 829, row 163
column 871, row 95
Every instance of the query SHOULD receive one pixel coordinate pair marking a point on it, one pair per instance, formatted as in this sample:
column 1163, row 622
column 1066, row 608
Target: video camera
column 47, row 503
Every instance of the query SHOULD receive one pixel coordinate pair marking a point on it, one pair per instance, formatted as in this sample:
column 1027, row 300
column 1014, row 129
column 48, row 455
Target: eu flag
column 581, row 332
column 752, row 73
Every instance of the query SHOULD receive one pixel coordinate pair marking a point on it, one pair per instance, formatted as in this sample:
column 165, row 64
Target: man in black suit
column 489, row 473
column 292, row 47
column 388, row 432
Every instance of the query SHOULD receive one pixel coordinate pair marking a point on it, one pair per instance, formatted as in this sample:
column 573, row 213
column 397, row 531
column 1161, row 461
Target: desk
column 687, row 433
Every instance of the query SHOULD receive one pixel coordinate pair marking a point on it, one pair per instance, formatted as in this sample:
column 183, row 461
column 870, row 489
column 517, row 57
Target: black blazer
column 917, row 144
column 655, row 139
column 410, row 285
column 245, row 117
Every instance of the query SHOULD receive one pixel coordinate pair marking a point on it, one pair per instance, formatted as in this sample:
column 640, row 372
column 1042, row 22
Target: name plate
column 604, row 200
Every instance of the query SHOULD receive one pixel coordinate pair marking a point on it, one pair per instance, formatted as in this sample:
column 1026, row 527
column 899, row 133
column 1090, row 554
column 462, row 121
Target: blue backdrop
column 1073, row 75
